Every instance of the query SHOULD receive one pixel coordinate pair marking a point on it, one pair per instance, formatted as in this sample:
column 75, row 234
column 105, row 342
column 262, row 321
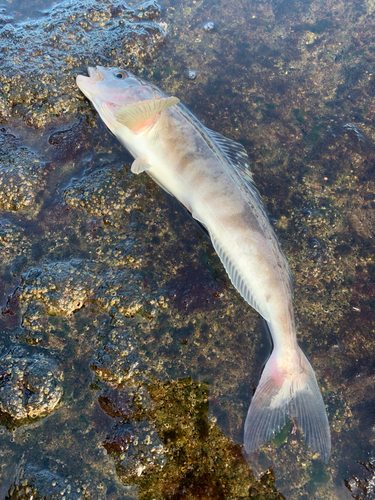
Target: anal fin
column 236, row 277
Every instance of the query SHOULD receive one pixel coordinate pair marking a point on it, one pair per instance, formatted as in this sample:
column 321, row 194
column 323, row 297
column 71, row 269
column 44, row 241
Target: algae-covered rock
column 8, row 232
column 30, row 385
column 297, row 91
column 117, row 403
column 136, row 448
column 149, row 10
column 199, row 460
column 40, row 58
column 116, row 359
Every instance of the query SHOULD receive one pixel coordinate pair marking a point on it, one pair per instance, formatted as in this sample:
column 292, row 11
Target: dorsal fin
column 235, row 153
column 237, row 157
column 139, row 113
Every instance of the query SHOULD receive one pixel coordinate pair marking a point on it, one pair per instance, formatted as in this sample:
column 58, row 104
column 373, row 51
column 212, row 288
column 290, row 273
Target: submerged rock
column 67, row 142
column 117, row 359
column 4, row 19
column 30, row 385
column 194, row 288
column 117, row 403
column 62, row 287
column 7, row 231
column 142, row 450
column 33, row 482
column 40, row 58
column 13, row 243
column 200, row 462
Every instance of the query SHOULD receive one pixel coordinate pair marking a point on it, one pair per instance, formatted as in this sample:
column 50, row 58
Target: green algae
column 200, row 460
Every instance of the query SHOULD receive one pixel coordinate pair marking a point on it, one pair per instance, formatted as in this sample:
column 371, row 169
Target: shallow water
column 293, row 82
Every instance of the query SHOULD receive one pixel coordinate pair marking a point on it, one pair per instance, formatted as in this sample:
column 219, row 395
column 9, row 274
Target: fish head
column 109, row 89
column 113, row 85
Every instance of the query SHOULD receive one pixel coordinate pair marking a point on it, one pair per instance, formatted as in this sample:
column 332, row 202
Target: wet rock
column 149, row 10
column 140, row 448
column 62, row 287
column 18, row 184
column 13, row 242
column 21, row 173
column 362, row 222
column 116, row 359
column 34, row 483
column 124, row 292
column 30, row 385
column 202, row 462
column 127, row 252
column 120, row 439
column 315, row 243
column 7, row 231
column 104, row 192
column 49, row 52
column 354, row 132
column 4, row 19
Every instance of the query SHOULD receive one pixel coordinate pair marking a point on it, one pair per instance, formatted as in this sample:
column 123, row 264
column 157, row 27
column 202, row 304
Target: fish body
column 209, row 174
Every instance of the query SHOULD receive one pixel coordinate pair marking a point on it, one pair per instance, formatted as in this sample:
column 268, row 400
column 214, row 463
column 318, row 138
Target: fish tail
column 284, row 391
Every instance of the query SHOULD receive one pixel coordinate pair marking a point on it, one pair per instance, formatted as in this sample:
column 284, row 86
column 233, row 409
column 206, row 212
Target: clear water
column 293, row 82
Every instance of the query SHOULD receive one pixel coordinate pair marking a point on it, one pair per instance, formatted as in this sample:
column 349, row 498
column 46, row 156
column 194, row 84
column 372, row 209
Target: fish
column 210, row 175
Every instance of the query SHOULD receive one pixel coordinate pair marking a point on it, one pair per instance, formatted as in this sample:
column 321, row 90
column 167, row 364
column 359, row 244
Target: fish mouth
column 95, row 74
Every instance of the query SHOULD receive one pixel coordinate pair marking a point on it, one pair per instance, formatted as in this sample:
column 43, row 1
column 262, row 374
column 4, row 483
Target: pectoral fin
column 139, row 166
column 139, row 114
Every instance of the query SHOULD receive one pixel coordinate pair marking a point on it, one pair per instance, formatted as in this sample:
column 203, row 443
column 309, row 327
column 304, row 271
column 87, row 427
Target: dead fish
column 210, row 175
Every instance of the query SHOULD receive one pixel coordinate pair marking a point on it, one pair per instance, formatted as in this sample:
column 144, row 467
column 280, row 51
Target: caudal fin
column 284, row 392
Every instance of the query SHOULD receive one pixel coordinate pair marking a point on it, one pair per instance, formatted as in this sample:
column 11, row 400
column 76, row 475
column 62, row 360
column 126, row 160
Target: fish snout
column 95, row 74
column 85, row 82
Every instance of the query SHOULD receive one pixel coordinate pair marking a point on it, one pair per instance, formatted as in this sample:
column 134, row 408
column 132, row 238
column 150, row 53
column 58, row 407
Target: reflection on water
column 108, row 277
column 21, row 10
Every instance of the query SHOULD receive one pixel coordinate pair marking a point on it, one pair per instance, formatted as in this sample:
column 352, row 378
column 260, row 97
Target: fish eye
column 121, row 74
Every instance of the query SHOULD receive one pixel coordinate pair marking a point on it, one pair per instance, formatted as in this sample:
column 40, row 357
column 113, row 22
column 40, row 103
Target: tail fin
column 286, row 391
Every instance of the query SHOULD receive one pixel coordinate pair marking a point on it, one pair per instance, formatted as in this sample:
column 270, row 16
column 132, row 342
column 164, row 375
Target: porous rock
column 30, row 385
column 40, row 58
